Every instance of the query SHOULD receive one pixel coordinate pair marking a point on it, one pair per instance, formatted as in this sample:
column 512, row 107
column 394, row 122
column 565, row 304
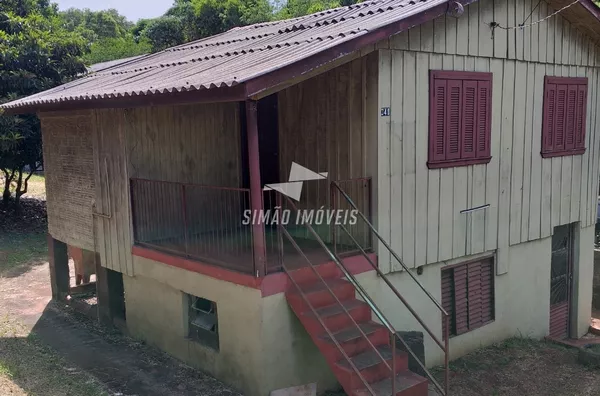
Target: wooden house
column 462, row 137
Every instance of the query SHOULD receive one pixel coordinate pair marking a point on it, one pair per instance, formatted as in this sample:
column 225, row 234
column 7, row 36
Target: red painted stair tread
column 360, row 348
column 369, row 358
column 336, row 309
column 405, row 381
column 318, row 285
column 352, row 333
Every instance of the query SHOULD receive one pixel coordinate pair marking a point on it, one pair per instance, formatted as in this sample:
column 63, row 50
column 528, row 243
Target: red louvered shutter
column 448, row 297
column 437, row 141
column 487, row 291
column 453, row 116
column 461, row 300
column 561, row 113
column 571, row 117
column 580, row 118
column 460, row 118
column 469, row 118
column 474, row 293
column 565, row 111
column 468, row 295
column 549, row 118
column 484, row 118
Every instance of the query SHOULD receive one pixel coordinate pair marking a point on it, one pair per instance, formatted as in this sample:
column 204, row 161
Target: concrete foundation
column 522, row 297
column 263, row 347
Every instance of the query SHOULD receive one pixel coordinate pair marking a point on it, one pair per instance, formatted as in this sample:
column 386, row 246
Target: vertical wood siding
column 528, row 195
column 321, row 127
column 114, row 234
column 198, row 144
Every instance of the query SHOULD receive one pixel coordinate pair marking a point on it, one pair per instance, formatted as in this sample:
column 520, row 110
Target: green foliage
column 297, row 8
column 164, row 32
column 190, row 20
column 36, row 53
column 116, row 48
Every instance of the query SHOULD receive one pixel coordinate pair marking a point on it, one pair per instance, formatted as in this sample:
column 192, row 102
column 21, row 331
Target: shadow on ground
column 122, row 365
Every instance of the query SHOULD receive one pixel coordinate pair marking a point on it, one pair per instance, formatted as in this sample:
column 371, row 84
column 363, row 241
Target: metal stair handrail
column 378, row 312
column 443, row 346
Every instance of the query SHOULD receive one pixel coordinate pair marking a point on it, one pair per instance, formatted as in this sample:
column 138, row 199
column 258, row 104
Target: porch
column 217, row 225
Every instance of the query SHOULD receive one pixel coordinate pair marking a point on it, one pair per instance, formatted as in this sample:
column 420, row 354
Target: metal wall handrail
column 329, row 333
column 378, row 312
column 388, row 247
column 445, row 346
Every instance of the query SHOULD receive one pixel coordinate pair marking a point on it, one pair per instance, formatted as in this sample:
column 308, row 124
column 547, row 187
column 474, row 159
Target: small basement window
column 460, row 118
column 468, row 295
column 203, row 321
column 565, row 110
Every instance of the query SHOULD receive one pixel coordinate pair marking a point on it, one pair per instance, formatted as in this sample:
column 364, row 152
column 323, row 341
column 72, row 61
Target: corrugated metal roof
column 233, row 57
column 96, row 67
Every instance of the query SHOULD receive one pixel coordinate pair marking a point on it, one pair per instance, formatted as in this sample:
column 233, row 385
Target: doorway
column 561, row 277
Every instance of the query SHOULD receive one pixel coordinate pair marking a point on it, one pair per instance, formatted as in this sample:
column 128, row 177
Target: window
column 565, row 109
column 460, row 122
column 468, row 295
column 202, row 322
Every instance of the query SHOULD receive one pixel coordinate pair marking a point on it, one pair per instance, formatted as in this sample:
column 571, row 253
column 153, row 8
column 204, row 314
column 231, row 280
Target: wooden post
column 102, row 293
column 59, row 268
column 256, row 193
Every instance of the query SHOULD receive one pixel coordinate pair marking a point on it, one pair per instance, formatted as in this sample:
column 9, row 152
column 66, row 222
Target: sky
column 132, row 9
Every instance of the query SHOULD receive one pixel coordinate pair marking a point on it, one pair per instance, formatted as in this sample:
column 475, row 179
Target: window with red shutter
column 565, row 110
column 460, row 118
column 468, row 295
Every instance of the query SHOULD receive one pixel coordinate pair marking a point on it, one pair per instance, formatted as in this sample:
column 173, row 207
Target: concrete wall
column 263, row 346
column 522, row 297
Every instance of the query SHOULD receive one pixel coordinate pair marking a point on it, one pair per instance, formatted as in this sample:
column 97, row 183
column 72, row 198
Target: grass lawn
column 37, row 187
column 21, row 250
column 27, row 367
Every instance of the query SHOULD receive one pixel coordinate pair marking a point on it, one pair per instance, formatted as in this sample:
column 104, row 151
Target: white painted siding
column 419, row 209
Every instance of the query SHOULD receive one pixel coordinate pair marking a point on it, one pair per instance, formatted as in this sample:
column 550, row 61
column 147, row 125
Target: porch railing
column 196, row 221
column 442, row 344
column 213, row 224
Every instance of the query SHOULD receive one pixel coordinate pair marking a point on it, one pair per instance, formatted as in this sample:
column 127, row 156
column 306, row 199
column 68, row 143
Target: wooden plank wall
column 321, row 127
column 113, row 235
column 169, row 143
column 198, row 144
column 528, row 195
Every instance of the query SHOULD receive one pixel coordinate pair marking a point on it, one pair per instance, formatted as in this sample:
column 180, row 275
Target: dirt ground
column 120, row 365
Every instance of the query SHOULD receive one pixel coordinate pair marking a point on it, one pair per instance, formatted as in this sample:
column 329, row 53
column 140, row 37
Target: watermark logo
column 293, row 189
column 298, row 175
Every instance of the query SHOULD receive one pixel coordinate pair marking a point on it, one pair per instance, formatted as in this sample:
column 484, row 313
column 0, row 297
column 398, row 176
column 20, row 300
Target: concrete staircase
column 312, row 300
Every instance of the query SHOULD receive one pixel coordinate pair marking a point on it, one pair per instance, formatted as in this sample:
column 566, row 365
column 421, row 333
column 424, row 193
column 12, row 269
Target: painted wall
column 263, row 346
column 522, row 298
column 70, row 183
column 419, row 209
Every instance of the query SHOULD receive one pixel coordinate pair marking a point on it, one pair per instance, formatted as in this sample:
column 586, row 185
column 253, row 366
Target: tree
column 116, row 48
column 164, row 32
column 297, row 8
column 36, row 53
